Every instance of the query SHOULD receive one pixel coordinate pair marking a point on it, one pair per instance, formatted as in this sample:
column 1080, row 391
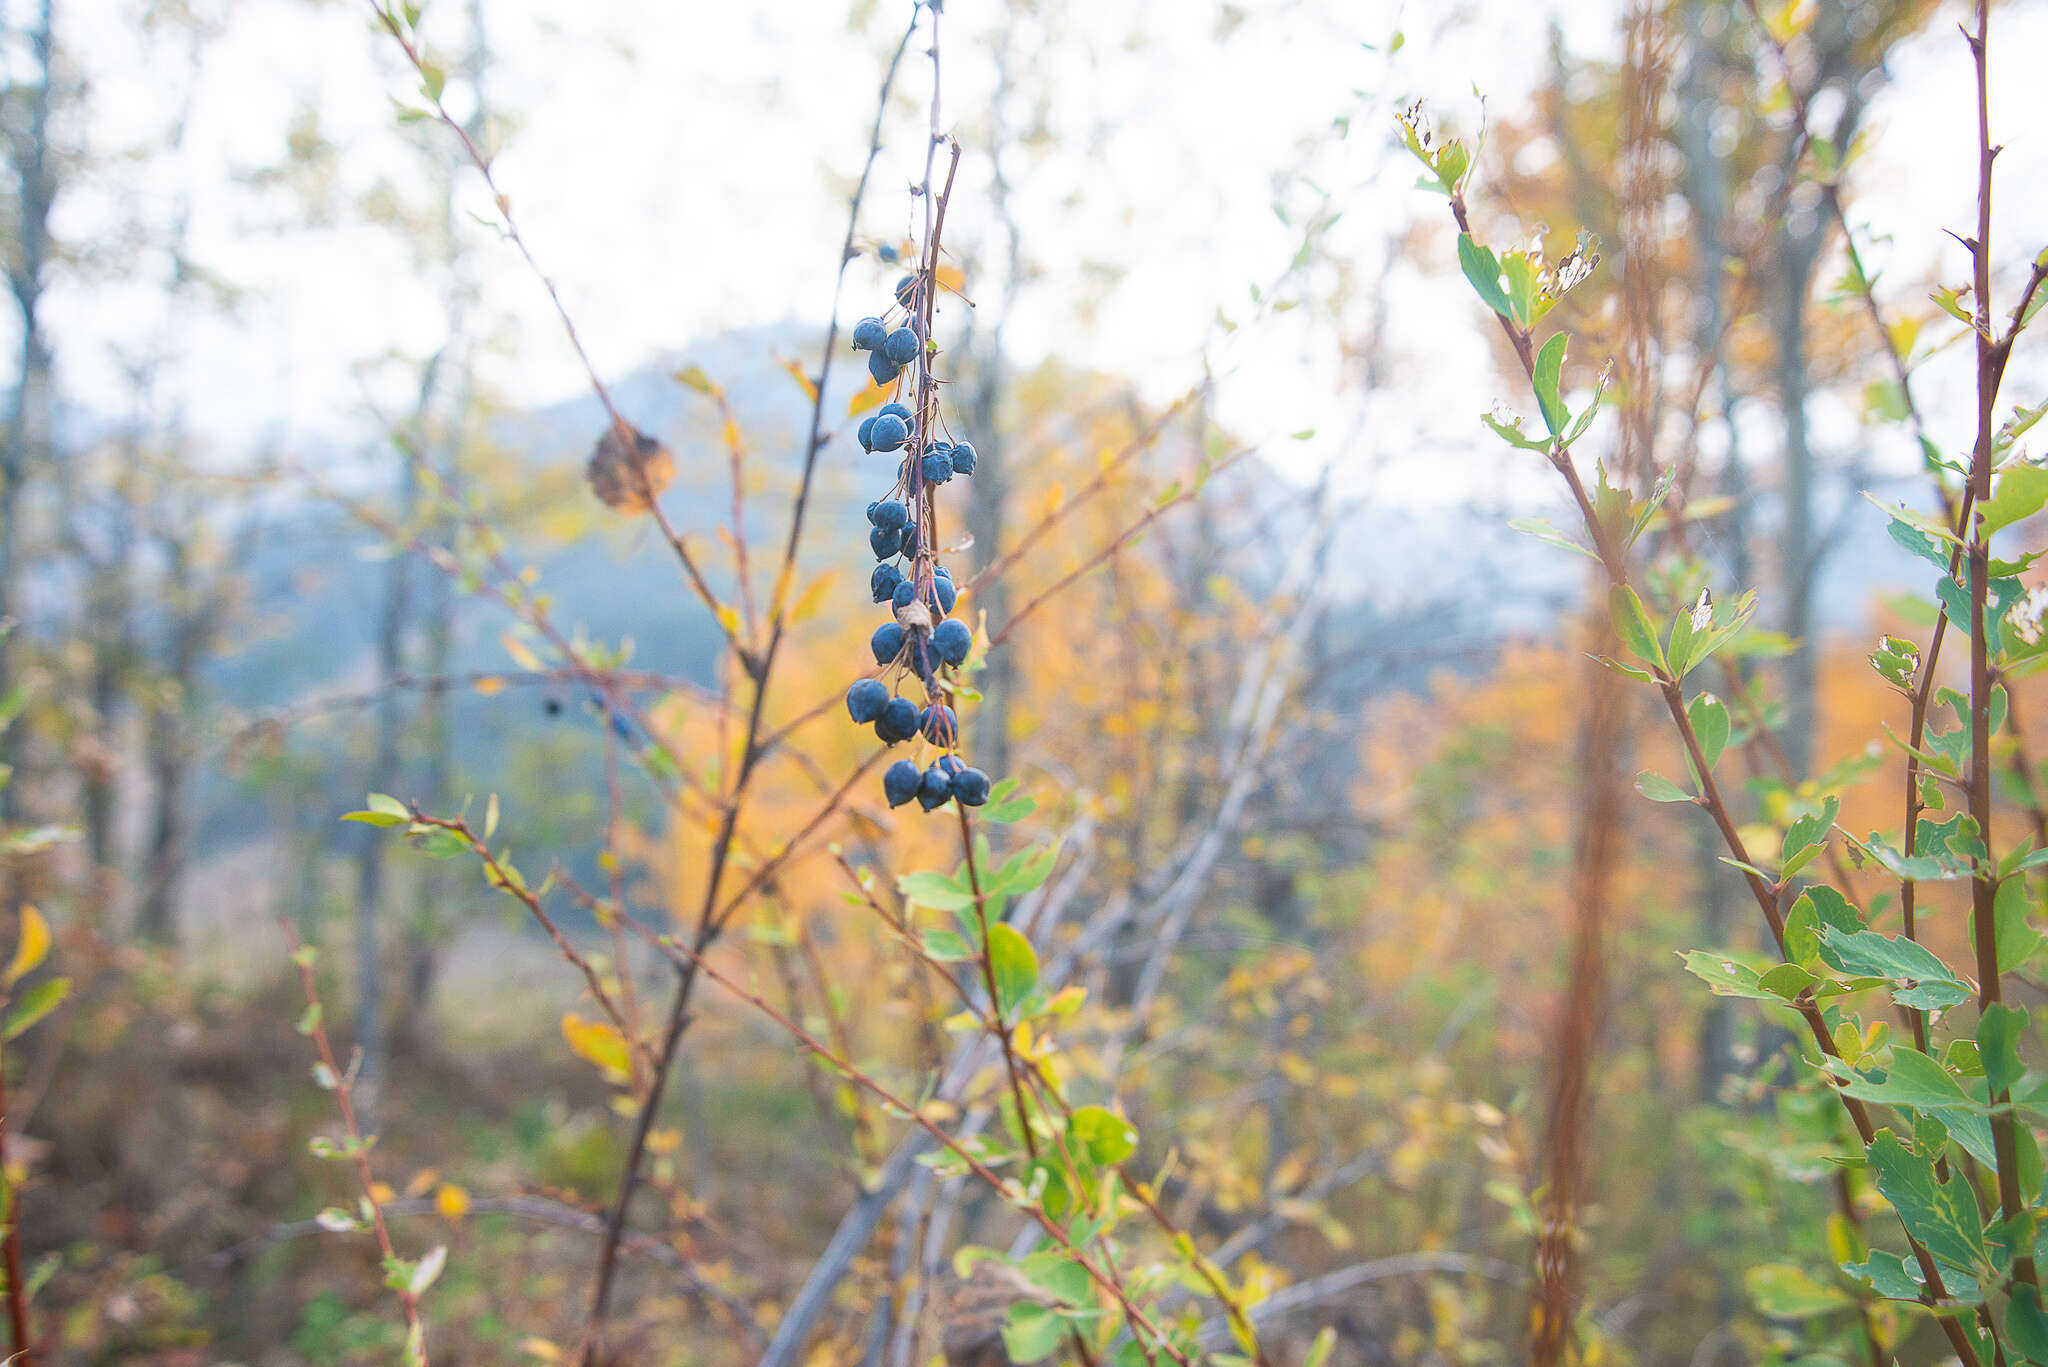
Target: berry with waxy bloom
column 971, row 787
column 887, row 642
column 889, row 432
column 899, row 720
column 940, row 725
column 952, row 639
column 882, row 583
column 934, row 788
column 900, row 782
column 869, row 333
column 866, row 699
column 901, row 346
column 962, row 455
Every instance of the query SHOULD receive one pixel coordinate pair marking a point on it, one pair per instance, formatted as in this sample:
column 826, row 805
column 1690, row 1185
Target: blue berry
column 869, row 333
column 899, row 720
column 900, row 782
column 889, row 432
column 937, row 468
column 934, row 788
column 901, row 346
column 887, row 642
column 888, row 252
column 971, row 787
column 944, row 595
column 939, row 725
column 889, row 513
column 886, row 541
column 882, row 368
column 901, row 595
column 866, row 699
column 882, row 583
column 898, row 409
column 952, row 639
column 865, row 433
column 963, row 458
column 910, row 542
column 952, row 764
column 906, row 290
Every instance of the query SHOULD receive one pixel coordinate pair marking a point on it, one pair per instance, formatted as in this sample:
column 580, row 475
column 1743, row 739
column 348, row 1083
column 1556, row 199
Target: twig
column 359, row 1147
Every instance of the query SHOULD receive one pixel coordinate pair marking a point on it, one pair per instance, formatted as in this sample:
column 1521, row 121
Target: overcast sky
column 679, row 169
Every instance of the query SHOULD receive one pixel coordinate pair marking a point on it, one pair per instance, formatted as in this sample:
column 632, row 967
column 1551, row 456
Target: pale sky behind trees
column 680, row 170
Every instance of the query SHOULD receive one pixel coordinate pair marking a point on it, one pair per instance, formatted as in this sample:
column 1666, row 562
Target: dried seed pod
column 629, row 468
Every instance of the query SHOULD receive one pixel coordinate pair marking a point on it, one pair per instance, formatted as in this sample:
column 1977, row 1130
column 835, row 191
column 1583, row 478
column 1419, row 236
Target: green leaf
column 1888, row 1274
column 947, row 947
column 1632, row 625
column 1014, row 964
column 1108, row 1138
column 1658, row 788
column 2026, row 1327
column 1786, row 981
column 1003, row 808
column 1808, row 831
column 1543, row 531
column 1709, row 718
column 1511, row 432
column 1784, row 1292
column 2022, row 491
column 2016, row 939
column 1999, row 1032
column 1725, row 976
column 1032, row 1331
column 1024, row 871
column 1319, row 1350
column 36, row 1003
column 1921, row 979
column 935, row 890
column 1938, row 1214
column 1802, row 933
column 1053, row 1271
column 1548, row 370
column 1918, row 542
column 1482, row 269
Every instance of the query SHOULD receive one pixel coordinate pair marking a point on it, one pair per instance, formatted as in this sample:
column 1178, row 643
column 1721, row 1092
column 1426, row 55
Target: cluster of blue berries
column 921, row 640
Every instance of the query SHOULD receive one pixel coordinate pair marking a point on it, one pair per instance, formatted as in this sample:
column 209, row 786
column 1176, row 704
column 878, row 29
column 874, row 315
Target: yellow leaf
column 732, row 435
column 813, row 597
column 599, row 1042
column 729, row 618
column 874, row 396
column 539, row 1348
column 781, row 594
column 422, row 1182
column 796, row 373
column 32, row 948
column 381, row 1193
column 521, row 653
column 950, row 278
column 696, row 379
column 664, row 1141
column 451, row 1202
column 490, row 686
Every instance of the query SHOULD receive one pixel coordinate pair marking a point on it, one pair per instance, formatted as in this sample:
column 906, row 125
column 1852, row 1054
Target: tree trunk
column 27, row 439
